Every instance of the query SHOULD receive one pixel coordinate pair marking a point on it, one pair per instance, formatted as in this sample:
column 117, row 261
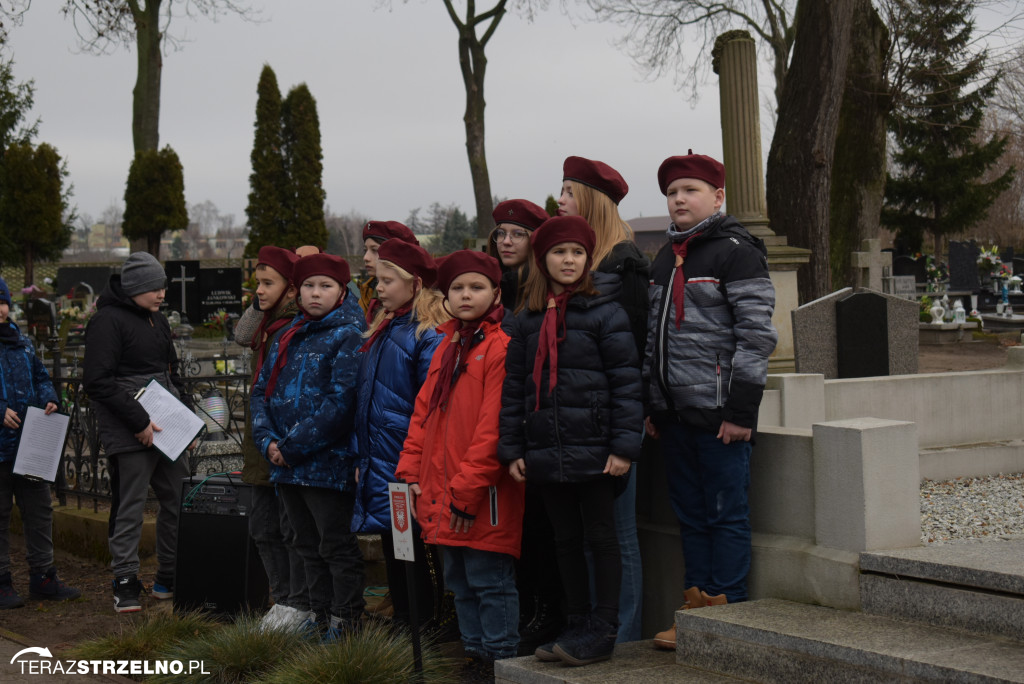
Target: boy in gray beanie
column 127, row 343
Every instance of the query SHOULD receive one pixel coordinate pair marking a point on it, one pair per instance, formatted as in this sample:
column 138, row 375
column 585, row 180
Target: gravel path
column 972, row 508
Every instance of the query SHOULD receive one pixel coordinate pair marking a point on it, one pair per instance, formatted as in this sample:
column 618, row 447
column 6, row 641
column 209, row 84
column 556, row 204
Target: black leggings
column 578, row 511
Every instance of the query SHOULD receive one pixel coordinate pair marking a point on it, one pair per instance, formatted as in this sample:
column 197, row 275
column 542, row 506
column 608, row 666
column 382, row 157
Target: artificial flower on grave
column 936, row 271
column 989, row 262
column 217, row 321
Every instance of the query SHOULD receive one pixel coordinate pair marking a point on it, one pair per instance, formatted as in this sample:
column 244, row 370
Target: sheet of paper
column 179, row 426
column 42, row 444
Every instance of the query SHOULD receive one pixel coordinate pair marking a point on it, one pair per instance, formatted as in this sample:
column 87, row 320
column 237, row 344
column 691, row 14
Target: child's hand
column 50, row 408
column 275, row 455
column 731, row 432
column 651, row 428
column 146, row 436
column 616, row 465
column 357, row 474
column 11, row 420
column 414, row 492
column 517, row 469
column 460, row 521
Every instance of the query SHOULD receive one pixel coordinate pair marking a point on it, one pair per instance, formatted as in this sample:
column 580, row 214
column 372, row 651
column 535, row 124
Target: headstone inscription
column 220, row 289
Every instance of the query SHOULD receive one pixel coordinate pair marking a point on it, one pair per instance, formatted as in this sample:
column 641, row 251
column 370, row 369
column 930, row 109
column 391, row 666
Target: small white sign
column 401, row 520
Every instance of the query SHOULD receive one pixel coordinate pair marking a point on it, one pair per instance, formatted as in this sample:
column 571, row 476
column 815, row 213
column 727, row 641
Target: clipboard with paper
column 179, row 425
column 42, row 444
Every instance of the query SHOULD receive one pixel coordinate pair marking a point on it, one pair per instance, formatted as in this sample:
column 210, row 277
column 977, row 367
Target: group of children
column 511, row 391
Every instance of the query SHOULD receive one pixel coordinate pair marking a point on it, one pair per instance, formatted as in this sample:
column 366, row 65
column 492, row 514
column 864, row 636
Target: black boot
column 590, row 645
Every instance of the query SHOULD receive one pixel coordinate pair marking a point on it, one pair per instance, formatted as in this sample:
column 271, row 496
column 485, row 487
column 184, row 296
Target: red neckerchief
column 371, row 310
column 679, row 284
column 463, row 340
column 271, row 322
column 282, row 345
column 388, row 317
column 552, row 332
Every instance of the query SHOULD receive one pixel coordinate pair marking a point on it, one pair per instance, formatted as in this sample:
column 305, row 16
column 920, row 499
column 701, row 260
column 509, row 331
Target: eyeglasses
column 514, row 235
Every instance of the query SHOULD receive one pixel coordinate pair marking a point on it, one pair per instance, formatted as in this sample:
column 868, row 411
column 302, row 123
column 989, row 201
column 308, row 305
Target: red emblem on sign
column 399, row 511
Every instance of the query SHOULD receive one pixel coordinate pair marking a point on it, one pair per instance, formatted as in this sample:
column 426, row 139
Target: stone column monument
column 735, row 62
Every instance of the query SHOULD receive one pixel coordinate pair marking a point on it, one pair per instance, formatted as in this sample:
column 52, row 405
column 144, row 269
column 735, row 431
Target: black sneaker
column 8, row 596
column 575, row 624
column 126, row 594
column 590, row 645
column 48, row 587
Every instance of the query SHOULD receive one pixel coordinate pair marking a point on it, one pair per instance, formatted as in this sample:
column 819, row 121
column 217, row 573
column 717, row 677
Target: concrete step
column 780, row 641
column 977, row 587
column 637, row 661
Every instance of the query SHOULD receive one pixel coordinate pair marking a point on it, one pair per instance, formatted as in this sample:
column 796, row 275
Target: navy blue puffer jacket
column 596, row 408
column 24, row 382
column 390, row 375
column 311, row 409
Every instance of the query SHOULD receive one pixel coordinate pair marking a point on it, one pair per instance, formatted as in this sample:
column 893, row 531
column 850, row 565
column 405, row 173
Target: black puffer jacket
column 125, row 347
column 595, row 409
column 633, row 269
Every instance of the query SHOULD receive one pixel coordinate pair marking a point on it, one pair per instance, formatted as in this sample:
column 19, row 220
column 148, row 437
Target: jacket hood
column 608, row 286
column 726, row 227
column 114, row 295
column 617, row 259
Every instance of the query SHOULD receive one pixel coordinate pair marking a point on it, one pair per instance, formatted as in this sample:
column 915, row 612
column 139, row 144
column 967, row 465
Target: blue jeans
column 708, row 482
column 486, row 600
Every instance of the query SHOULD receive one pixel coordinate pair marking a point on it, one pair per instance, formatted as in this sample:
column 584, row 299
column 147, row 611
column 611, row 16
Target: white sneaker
column 272, row 619
column 293, row 618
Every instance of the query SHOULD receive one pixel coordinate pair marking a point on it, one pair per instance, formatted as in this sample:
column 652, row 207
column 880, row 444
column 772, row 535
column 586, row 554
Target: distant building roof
column 649, row 232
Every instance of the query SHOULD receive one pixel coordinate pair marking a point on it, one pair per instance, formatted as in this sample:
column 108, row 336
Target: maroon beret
column 559, row 229
column 597, row 175
column 277, row 258
column 691, row 165
column 467, row 261
column 385, row 230
column 322, row 264
column 411, row 258
column 520, row 212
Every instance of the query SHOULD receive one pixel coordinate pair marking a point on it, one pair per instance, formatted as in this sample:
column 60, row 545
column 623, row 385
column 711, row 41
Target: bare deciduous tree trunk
column 146, row 95
column 798, row 184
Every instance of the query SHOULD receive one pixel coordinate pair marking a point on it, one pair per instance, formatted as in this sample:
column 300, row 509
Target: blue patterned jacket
column 310, row 412
column 390, row 375
column 24, row 382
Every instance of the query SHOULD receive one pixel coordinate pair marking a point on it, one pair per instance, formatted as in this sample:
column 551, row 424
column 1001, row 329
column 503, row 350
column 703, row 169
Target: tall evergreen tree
column 936, row 184
column 154, row 198
column 268, row 180
column 303, row 161
column 32, row 206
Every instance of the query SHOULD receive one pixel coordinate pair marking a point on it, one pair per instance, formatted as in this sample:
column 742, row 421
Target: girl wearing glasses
column 515, row 220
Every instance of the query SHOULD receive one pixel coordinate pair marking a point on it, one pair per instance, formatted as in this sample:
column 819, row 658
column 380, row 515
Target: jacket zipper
column 718, row 379
column 663, row 335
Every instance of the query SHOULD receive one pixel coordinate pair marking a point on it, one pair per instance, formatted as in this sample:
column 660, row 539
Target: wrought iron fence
column 220, row 398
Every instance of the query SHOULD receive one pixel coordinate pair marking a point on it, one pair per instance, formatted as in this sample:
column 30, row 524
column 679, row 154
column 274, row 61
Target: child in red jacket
column 465, row 500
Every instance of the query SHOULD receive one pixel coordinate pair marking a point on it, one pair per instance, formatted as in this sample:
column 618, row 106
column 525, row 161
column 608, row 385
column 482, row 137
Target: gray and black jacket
column 711, row 367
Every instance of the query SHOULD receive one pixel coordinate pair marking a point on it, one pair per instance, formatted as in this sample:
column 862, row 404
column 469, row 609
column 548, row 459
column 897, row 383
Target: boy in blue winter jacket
column 23, row 383
column 302, row 408
column 710, row 335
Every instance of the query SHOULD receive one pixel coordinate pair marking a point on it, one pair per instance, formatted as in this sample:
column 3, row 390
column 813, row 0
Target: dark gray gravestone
column 921, row 270
column 1018, row 266
column 70, row 278
column 904, row 266
column 220, row 289
column 963, row 266
column 41, row 318
column 862, row 338
column 1006, row 255
column 183, row 288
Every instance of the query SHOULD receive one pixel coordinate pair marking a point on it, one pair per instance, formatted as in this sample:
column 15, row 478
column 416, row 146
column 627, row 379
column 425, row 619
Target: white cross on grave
column 183, row 280
column 869, row 263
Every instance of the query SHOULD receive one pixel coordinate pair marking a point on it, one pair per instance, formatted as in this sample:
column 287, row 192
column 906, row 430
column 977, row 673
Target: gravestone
column 818, row 335
column 904, row 265
column 921, row 270
column 1018, row 266
column 1006, row 255
column 41, row 318
column 963, row 267
column 862, row 340
column 904, row 286
column 220, row 289
column 71, row 277
column 869, row 264
column 183, row 289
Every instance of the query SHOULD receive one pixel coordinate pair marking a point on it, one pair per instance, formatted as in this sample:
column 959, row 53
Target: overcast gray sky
column 390, row 100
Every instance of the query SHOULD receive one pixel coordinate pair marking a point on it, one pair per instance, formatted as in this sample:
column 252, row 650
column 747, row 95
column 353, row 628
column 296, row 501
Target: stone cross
column 184, row 280
column 869, row 263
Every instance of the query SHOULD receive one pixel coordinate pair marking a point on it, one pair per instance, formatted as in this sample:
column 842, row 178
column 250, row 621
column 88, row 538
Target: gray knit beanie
column 141, row 272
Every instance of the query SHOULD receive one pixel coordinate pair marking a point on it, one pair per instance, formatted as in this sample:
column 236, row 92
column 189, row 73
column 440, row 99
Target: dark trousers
column 321, row 520
column 708, row 483
column 33, row 498
column 534, row 579
column 265, row 530
column 427, row 589
column 581, row 512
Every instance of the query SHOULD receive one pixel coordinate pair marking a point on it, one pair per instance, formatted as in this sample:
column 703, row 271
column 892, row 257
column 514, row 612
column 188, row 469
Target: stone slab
column 980, row 612
column 814, row 335
column 637, row 661
column 989, row 565
column 781, row 641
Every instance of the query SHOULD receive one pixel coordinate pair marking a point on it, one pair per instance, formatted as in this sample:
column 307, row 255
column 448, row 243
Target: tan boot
column 719, row 600
column 667, row 639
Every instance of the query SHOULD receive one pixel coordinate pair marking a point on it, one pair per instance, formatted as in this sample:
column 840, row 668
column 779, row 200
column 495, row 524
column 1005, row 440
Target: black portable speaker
column 218, row 568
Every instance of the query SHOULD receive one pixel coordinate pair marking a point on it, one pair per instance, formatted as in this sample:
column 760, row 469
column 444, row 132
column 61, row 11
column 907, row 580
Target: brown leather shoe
column 667, row 639
column 719, row 600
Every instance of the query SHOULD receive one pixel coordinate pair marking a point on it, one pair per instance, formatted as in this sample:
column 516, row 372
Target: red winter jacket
column 453, row 456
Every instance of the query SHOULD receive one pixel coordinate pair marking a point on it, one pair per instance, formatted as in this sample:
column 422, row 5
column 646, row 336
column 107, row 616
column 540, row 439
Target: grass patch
column 235, row 654
column 373, row 655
